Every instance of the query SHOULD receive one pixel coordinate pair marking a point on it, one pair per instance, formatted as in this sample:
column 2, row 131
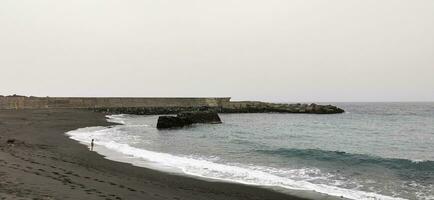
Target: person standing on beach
column 91, row 145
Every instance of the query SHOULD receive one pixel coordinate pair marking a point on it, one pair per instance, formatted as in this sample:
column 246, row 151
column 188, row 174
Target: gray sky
column 287, row 50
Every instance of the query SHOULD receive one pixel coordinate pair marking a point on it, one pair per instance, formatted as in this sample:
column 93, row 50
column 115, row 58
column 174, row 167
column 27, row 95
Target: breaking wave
column 232, row 172
column 343, row 158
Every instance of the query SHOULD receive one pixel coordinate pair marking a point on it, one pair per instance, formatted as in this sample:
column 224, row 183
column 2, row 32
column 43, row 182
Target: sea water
column 373, row 151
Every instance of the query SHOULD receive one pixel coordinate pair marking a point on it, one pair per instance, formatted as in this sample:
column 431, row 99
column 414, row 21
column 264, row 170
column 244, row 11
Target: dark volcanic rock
column 232, row 107
column 172, row 122
column 152, row 110
column 327, row 109
column 201, row 117
column 260, row 107
column 188, row 118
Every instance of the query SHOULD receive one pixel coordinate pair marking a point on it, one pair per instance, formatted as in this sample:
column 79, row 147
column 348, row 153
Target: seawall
column 12, row 102
column 161, row 105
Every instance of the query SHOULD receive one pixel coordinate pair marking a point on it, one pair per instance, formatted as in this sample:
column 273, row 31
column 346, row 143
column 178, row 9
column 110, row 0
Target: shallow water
column 373, row 151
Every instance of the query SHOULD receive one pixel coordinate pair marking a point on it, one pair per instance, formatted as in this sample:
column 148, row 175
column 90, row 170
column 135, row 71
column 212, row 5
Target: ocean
column 372, row 151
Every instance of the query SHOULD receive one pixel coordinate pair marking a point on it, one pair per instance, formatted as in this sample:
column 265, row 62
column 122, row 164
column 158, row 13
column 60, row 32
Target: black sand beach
column 43, row 163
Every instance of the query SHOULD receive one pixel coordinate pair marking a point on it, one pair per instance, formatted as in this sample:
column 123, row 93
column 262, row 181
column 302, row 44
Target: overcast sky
column 275, row 50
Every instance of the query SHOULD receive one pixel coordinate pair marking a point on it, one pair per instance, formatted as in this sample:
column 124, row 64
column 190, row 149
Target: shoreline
column 115, row 156
column 43, row 162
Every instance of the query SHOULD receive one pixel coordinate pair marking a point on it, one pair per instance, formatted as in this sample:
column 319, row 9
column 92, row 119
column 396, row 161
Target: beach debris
column 188, row 118
column 10, row 141
column 13, row 142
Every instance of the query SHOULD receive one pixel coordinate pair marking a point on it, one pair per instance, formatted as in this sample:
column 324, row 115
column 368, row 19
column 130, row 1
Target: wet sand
column 43, row 163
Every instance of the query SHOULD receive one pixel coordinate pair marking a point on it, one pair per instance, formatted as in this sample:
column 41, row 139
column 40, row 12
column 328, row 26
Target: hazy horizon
column 232, row 99
column 282, row 51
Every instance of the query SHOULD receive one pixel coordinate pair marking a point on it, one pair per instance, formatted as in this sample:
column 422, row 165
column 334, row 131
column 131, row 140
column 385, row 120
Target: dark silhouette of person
column 91, row 145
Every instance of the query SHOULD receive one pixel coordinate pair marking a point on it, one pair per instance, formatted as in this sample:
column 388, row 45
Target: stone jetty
column 161, row 105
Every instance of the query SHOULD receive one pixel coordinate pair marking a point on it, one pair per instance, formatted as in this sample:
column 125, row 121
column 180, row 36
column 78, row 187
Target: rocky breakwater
column 229, row 107
column 261, row 107
column 188, row 118
column 168, row 110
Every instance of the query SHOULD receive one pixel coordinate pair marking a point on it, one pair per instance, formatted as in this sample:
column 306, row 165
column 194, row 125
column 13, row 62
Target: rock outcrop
column 187, row 118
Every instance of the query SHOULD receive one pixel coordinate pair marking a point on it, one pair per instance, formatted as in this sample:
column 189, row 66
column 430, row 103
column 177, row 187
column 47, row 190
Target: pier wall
column 11, row 102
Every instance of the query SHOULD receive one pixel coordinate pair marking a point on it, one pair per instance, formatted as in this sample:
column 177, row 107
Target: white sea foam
column 419, row 161
column 116, row 118
column 205, row 168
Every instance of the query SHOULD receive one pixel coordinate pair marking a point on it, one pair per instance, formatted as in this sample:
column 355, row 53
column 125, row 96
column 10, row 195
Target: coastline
column 45, row 163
